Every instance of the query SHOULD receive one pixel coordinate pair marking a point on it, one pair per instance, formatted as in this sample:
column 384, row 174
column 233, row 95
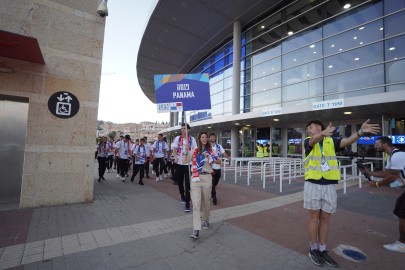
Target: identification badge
column 324, row 166
column 126, row 152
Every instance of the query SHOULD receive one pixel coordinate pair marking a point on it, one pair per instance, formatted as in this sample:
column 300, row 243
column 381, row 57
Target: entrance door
column 13, row 130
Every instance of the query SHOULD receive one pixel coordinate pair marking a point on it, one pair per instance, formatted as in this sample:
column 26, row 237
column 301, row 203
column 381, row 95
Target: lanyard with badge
column 324, row 163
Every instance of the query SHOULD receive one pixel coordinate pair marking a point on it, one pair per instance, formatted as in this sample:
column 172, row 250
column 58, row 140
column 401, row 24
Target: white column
column 236, row 67
column 236, row 86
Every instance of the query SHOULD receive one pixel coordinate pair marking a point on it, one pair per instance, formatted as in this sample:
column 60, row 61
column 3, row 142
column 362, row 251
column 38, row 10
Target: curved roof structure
column 180, row 33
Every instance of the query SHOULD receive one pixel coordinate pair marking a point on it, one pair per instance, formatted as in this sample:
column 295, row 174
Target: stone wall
column 59, row 153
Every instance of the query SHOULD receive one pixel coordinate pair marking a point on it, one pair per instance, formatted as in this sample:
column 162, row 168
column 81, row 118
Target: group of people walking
column 124, row 153
column 196, row 166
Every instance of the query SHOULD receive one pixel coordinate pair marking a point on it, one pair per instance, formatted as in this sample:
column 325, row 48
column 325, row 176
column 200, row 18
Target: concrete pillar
column 236, row 86
column 236, row 67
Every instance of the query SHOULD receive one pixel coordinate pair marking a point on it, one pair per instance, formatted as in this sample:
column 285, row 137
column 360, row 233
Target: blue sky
column 121, row 98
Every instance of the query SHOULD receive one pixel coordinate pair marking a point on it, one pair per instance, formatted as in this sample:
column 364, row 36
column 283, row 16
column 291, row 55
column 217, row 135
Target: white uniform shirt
column 159, row 149
column 180, row 149
column 397, row 162
column 111, row 146
column 148, row 148
column 139, row 153
column 123, row 149
column 218, row 151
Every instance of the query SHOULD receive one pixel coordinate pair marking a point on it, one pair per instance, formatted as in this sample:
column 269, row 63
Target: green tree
column 112, row 134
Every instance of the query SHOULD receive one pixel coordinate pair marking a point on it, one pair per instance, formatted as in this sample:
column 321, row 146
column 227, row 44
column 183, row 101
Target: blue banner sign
column 193, row 90
column 367, row 140
column 398, row 139
column 294, row 141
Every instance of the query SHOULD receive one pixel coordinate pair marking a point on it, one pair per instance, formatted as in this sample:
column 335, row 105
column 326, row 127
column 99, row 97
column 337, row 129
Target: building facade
column 332, row 60
column 48, row 48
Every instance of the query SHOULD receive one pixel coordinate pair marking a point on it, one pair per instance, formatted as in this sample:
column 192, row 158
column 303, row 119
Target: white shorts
column 320, row 197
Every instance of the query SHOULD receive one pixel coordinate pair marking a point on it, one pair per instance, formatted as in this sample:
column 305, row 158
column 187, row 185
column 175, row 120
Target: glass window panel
column 355, row 79
column 299, row 40
column 228, row 59
column 266, row 82
column 267, row 68
column 395, row 71
column 216, row 77
column 302, row 90
column 227, row 107
column 266, row 98
column 395, row 48
column 301, row 73
column 264, row 26
column 248, row 48
column 265, row 40
column 350, row 19
column 359, row 36
column 228, row 82
column 217, row 98
column 216, row 88
column 302, row 101
column 245, row 103
column 396, row 87
column 246, row 88
column 217, row 66
column 303, row 21
column 300, row 7
column 393, row 5
column 219, row 54
column 363, row 56
column 228, row 71
column 216, row 109
column 303, row 55
column 246, row 75
column 394, row 24
column 248, row 62
column 265, row 55
column 357, row 93
column 228, row 94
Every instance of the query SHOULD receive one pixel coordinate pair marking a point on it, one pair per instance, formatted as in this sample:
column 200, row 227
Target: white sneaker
column 161, row 178
column 157, row 179
column 396, row 246
column 118, row 175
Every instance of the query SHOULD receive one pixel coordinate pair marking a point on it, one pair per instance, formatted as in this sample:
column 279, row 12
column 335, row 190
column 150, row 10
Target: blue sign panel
column 193, row 90
column 367, row 140
column 398, row 139
column 294, row 141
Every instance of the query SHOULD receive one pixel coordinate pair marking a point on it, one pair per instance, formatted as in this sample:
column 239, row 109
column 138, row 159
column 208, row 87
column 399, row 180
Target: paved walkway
column 144, row 227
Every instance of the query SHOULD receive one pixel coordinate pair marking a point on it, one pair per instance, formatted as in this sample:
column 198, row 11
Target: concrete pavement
column 129, row 226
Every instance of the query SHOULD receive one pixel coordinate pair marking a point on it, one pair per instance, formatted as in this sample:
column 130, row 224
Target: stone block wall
column 59, row 153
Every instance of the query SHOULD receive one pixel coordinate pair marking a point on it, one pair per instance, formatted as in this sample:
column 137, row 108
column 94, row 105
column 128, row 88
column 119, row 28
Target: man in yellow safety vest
column 321, row 172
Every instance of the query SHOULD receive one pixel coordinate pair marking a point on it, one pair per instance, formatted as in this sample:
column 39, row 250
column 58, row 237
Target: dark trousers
column 147, row 167
column 171, row 167
column 110, row 161
column 215, row 180
column 183, row 181
column 158, row 166
column 138, row 168
column 122, row 164
column 102, row 165
column 115, row 162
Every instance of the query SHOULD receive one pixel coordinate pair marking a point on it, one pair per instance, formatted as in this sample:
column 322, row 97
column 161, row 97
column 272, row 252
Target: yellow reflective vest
column 312, row 162
column 259, row 152
column 266, row 151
